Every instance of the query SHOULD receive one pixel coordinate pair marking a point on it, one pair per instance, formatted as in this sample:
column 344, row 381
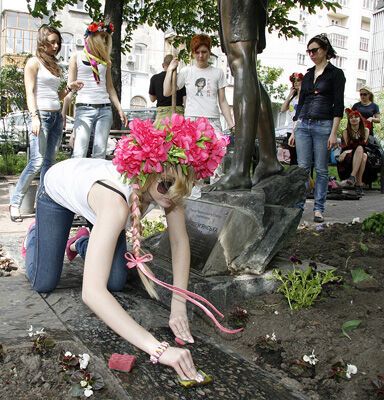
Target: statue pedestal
column 235, row 233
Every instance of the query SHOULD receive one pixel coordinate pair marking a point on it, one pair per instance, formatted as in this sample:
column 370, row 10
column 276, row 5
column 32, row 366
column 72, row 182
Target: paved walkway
column 63, row 313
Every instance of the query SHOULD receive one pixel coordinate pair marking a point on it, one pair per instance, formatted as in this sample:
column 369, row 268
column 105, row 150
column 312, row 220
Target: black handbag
column 375, row 153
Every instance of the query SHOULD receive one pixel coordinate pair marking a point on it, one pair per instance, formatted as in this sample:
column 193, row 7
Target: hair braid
column 136, row 237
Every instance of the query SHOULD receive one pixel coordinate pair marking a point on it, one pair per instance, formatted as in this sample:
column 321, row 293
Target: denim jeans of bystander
column 88, row 118
column 42, row 152
column 311, row 138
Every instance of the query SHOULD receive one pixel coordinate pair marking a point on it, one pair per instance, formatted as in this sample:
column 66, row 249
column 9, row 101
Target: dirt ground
column 318, row 328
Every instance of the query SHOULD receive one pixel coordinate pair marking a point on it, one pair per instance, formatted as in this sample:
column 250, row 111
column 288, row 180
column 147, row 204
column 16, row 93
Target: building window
column 364, row 44
column 370, row 4
column 303, row 15
column 365, row 24
column 140, row 57
column 79, row 6
column 138, row 102
column 343, row 3
column 301, row 59
column 66, row 47
column 338, row 40
column 19, row 33
column 340, row 62
column 362, row 64
column 360, row 83
column 303, row 38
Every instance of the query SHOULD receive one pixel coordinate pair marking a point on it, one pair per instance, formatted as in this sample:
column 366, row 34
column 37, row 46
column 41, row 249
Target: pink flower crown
column 147, row 150
column 100, row 26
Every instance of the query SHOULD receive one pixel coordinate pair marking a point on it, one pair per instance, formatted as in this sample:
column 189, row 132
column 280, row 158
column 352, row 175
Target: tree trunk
column 113, row 12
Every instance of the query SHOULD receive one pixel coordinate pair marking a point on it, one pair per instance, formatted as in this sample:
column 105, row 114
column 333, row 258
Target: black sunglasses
column 313, row 51
column 363, row 94
column 164, row 185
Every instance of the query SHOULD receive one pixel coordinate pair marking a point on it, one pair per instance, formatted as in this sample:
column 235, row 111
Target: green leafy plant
column 151, row 227
column 359, row 275
column 374, row 223
column 302, row 287
column 42, row 344
column 350, row 326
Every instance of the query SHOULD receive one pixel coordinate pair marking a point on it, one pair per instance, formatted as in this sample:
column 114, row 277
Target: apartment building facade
column 376, row 72
column 349, row 30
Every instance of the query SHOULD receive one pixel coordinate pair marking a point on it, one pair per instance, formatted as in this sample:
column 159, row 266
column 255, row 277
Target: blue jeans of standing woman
column 46, row 242
column 97, row 117
column 311, row 138
column 42, row 152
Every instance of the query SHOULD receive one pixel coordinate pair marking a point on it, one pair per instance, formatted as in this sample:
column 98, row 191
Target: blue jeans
column 42, row 152
column 46, row 242
column 87, row 119
column 311, row 138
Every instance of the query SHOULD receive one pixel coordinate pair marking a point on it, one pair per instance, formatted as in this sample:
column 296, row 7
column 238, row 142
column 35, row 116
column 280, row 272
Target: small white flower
column 84, row 360
column 311, row 359
column 83, row 383
column 272, row 337
column 276, row 312
column 41, row 331
column 351, row 369
column 88, row 392
column 68, row 354
column 30, row 331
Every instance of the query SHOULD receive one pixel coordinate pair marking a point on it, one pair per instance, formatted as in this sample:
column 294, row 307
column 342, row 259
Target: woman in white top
column 45, row 127
column 204, row 84
column 150, row 167
column 93, row 102
column 289, row 106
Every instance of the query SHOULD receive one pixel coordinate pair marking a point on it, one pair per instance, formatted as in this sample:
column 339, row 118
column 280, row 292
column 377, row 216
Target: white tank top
column 91, row 93
column 47, row 86
column 68, row 183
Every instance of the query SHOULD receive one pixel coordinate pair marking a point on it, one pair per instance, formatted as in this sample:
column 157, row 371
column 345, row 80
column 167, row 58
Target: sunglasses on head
column 313, row 51
column 164, row 185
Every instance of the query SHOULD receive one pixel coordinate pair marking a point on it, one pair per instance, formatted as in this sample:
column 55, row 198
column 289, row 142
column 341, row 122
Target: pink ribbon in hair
column 138, row 262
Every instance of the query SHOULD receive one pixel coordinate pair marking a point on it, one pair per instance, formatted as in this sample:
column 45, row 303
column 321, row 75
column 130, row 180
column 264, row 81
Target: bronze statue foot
column 229, row 182
column 265, row 170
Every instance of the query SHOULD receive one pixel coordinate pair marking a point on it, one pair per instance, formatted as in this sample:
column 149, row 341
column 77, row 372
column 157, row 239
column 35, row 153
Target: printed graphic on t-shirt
column 200, row 85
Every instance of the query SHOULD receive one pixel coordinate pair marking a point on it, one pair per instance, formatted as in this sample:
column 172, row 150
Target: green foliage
column 302, row 287
column 268, row 77
column 374, row 223
column 11, row 163
column 359, row 275
column 12, row 87
column 350, row 326
column 184, row 17
column 151, row 227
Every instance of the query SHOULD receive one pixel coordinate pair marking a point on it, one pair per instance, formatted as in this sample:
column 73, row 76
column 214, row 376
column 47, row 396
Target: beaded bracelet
column 154, row 358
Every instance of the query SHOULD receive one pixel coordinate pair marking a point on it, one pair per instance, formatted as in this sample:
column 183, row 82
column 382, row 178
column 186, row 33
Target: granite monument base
column 234, row 235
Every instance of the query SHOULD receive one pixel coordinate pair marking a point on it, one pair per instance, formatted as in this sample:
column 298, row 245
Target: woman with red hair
column 352, row 160
column 205, row 85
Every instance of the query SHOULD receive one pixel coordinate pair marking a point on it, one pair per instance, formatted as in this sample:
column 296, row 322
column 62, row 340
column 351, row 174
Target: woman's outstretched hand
column 181, row 361
column 178, row 322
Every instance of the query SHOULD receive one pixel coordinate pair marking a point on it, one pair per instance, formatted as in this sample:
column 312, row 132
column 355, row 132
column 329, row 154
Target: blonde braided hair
column 182, row 187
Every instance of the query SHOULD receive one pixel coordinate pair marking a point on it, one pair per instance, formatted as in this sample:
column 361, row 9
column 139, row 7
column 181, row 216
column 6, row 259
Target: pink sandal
column 23, row 247
column 80, row 233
